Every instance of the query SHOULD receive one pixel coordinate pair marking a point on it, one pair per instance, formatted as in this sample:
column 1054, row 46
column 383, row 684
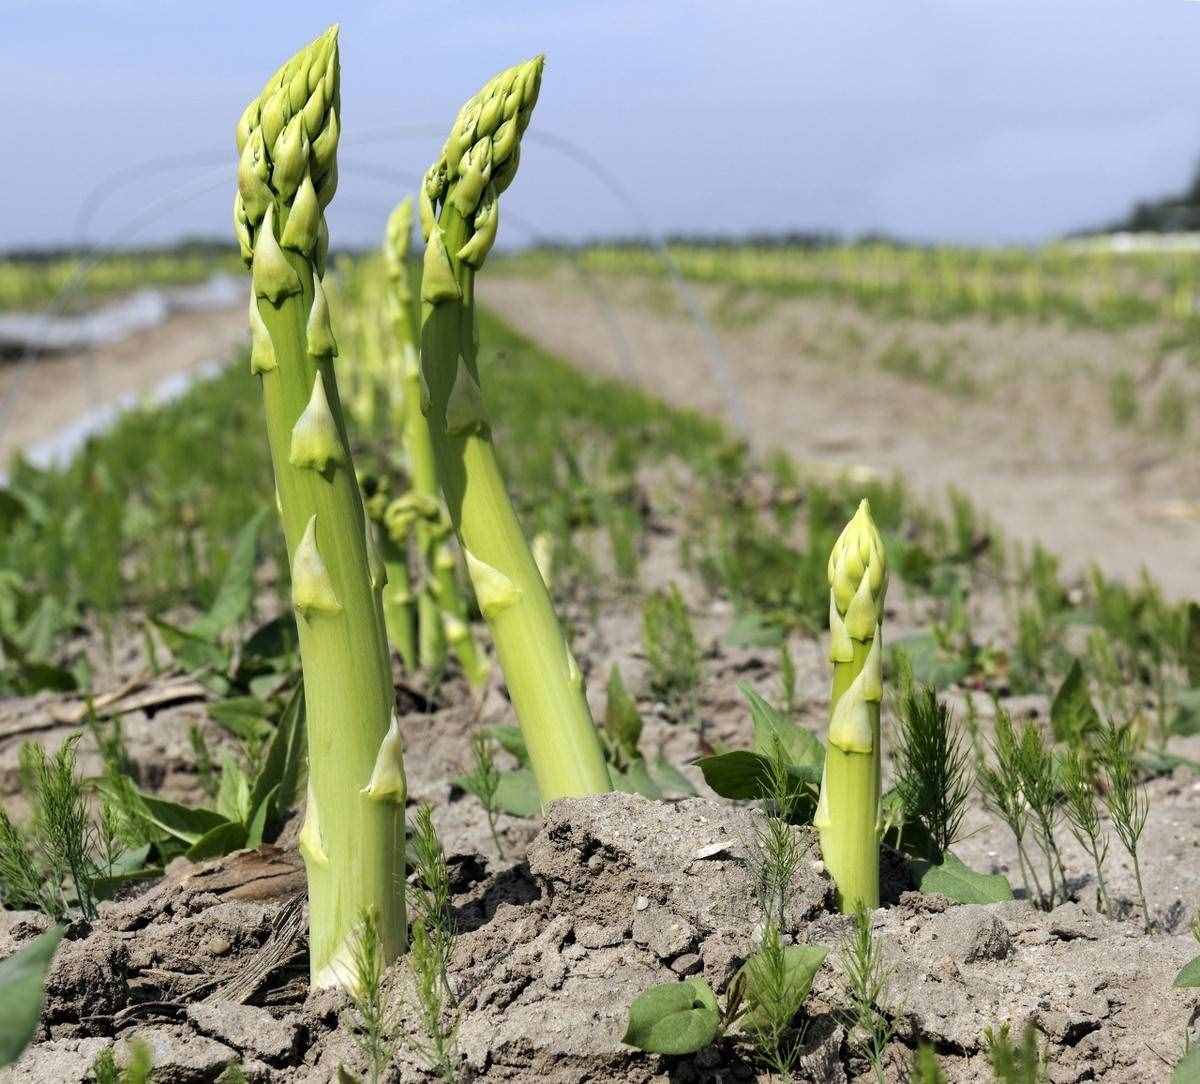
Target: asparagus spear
column 459, row 208
column 442, row 612
column 353, row 834
column 847, row 816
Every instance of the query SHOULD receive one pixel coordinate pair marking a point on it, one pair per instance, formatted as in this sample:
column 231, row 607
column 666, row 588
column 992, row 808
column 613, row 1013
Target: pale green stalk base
column 443, row 613
column 353, row 845
column 398, row 614
column 850, row 795
column 431, row 637
column 543, row 678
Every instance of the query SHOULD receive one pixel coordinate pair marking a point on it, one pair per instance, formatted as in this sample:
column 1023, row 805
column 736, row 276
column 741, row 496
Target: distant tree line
column 1168, row 214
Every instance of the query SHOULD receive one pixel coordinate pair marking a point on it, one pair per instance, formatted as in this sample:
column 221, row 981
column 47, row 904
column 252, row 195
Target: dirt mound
column 616, row 893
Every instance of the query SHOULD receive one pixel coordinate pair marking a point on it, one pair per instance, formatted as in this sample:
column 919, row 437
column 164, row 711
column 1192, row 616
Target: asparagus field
column 711, row 663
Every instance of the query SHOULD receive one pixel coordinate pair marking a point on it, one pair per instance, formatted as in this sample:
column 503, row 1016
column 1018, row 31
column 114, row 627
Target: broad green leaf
column 105, row 887
column 1189, row 974
column 233, row 792
column 800, row 965
column 754, row 629
column 670, row 779
column 673, row 1018
column 181, row 821
column 954, row 880
column 1186, row 718
column 737, row 774
column 636, row 780
column 622, row 722
column 1187, row 1069
column 237, row 587
column 192, row 651
column 130, row 865
column 27, row 677
column 41, row 633
column 276, row 642
column 741, row 774
column 283, row 767
column 220, row 840
column 13, row 509
column 258, row 823
column 771, row 725
column 518, row 793
column 1073, row 716
column 22, row 982
column 930, row 664
column 244, row 717
column 1191, row 644
column 510, row 739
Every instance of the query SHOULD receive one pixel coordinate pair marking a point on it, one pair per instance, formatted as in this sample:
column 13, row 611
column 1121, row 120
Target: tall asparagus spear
column 353, row 834
column 442, row 612
column 459, row 209
column 847, row 816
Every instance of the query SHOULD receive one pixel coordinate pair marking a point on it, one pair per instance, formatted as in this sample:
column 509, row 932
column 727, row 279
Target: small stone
column 687, row 964
column 594, row 936
column 245, row 1028
column 218, row 945
column 1069, row 922
column 663, row 933
column 641, row 903
column 182, row 1058
column 595, row 863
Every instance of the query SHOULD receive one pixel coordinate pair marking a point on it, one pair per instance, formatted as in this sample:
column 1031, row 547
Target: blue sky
column 958, row 120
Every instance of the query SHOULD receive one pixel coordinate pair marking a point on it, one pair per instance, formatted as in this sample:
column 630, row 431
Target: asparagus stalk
column 847, row 816
column 393, row 524
column 459, row 209
column 442, row 610
column 353, row 834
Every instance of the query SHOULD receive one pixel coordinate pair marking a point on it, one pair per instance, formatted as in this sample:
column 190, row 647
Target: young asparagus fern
column 1083, row 815
column 352, row 840
column 848, row 813
column 459, row 212
column 1126, row 800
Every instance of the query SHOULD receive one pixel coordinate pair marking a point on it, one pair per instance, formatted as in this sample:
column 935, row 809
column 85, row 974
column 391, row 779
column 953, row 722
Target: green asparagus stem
column 442, row 609
column 353, row 835
column 459, row 208
column 393, row 524
column 847, row 814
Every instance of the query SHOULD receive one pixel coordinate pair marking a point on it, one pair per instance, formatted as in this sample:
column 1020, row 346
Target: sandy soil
column 1032, row 441
column 39, row 397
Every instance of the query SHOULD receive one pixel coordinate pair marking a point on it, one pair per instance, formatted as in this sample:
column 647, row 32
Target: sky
column 966, row 121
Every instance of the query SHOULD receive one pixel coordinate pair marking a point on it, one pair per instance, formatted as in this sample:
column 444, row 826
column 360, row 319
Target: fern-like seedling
column 430, row 890
column 1000, row 783
column 1126, row 801
column 1083, row 815
column 1012, row 1063
column 933, row 767
column 484, row 782
column 776, row 849
column 375, row 1027
column 866, row 979
column 1039, row 787
column 438, row 1019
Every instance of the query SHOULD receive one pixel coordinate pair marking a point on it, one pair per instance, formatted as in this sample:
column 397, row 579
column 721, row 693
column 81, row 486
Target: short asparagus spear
column 459, row 207
column 353, row 835
column 442, row 610
column 847, row 814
